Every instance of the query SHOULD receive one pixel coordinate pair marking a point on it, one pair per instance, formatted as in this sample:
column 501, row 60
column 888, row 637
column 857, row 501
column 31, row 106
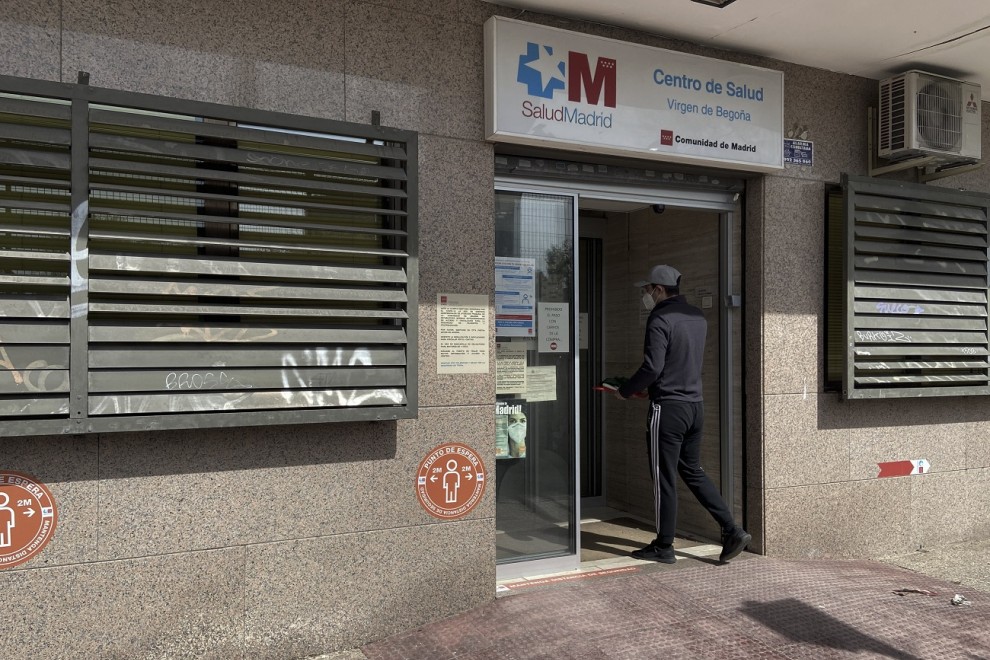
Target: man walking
column 671, row 372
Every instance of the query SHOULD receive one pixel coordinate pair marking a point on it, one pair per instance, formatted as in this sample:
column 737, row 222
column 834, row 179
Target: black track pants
column 674, row 442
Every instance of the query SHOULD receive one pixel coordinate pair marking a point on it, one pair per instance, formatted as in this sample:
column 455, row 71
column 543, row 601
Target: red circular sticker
column 450, row 481
column 27, row 518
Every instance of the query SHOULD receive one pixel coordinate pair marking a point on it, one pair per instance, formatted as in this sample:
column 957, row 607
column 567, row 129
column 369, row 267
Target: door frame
column 730, row 305
column 523, row 568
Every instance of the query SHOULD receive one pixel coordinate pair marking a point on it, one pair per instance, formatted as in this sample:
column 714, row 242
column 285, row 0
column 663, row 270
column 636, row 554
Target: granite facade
column 285, row 541
column 818, row 455
column 289, row 541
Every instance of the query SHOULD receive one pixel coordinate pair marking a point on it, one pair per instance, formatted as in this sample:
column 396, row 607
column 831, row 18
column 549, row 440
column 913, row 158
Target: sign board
column 450, row 481
column 27, row 518
column 541, row 383
column 462, row 333
column 510, row 367
column 550, row 87
column 515, row 297
column 903, row 468
column 799, row 152
column 554, row 327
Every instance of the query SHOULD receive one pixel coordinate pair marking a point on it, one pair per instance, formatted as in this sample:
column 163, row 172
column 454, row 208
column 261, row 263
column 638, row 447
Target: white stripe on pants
column 653, row 424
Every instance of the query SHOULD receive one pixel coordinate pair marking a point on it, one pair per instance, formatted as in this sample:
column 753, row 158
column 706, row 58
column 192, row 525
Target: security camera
column 659, row 208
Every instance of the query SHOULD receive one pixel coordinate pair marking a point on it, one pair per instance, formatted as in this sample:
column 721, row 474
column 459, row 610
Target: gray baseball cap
column 662, row 275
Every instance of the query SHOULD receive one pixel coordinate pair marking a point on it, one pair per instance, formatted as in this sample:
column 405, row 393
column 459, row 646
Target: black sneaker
column 654, row 552
column 733, row 543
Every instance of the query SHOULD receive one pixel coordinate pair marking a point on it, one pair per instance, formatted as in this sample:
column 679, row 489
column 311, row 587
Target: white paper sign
column 462, row 333
column 510, row 367
column 541, row 383
column 554, row 327
column 546, row 85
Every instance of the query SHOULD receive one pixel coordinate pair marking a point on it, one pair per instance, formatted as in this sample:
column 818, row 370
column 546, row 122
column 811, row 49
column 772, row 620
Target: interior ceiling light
column 715, row 3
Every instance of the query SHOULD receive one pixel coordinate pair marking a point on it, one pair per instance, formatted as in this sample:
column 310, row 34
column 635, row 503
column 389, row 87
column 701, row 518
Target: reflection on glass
column 535, row 428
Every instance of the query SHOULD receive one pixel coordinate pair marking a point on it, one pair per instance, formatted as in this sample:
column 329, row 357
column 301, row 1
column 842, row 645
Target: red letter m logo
column 579, row 77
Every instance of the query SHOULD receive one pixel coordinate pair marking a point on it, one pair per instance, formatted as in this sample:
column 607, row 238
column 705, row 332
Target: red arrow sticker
column 903, row 468
column 895, row 469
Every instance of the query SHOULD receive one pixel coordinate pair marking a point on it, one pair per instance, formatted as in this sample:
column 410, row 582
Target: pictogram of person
column 6, row 521
column 451, row 482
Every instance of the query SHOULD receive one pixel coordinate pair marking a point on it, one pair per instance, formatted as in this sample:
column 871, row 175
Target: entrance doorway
column 584, row 478
column 619, row 242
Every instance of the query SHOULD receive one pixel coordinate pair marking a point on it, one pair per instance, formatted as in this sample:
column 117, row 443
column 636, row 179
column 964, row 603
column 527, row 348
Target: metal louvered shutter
column 34, row 258
column 223, row 266
column 916, row 291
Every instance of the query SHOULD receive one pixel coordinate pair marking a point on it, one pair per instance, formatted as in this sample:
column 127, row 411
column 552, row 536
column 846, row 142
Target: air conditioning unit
column 923, row 114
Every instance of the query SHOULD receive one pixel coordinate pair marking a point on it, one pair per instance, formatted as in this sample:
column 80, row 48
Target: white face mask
column 648, row 301
column 517, row 432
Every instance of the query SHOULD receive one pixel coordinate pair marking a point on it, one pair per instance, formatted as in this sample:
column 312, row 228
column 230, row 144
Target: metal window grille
column 172, row 264
column 915, row 278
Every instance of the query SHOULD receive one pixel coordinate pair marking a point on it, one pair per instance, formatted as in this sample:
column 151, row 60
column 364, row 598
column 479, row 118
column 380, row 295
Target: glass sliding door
column 536, row 341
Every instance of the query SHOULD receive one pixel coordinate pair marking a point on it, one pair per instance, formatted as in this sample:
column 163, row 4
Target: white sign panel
column 462, row 333
column 510, row 367
column 541, row 383
column 553, row 323
column 550, row 86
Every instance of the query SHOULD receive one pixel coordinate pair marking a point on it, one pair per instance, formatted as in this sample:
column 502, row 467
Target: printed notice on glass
column 462, row 333
column 515, row 297
column 554, row 324
column 510, row 367
column 541, row 383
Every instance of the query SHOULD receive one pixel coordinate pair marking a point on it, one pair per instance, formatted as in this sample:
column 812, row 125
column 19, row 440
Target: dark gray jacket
column 672, row 353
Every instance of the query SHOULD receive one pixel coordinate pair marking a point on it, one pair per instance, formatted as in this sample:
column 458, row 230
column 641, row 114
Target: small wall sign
column 27, row 518
column 799, row 152
column 450, row 481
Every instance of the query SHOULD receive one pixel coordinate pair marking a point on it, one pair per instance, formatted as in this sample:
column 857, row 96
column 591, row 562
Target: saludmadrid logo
column 545, row 72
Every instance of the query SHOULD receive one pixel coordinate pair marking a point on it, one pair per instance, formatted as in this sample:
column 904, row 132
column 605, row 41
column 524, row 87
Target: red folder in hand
column 613, row 384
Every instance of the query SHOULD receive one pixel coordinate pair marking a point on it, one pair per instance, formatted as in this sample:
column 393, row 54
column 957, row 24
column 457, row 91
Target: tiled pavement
column 754, row 607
